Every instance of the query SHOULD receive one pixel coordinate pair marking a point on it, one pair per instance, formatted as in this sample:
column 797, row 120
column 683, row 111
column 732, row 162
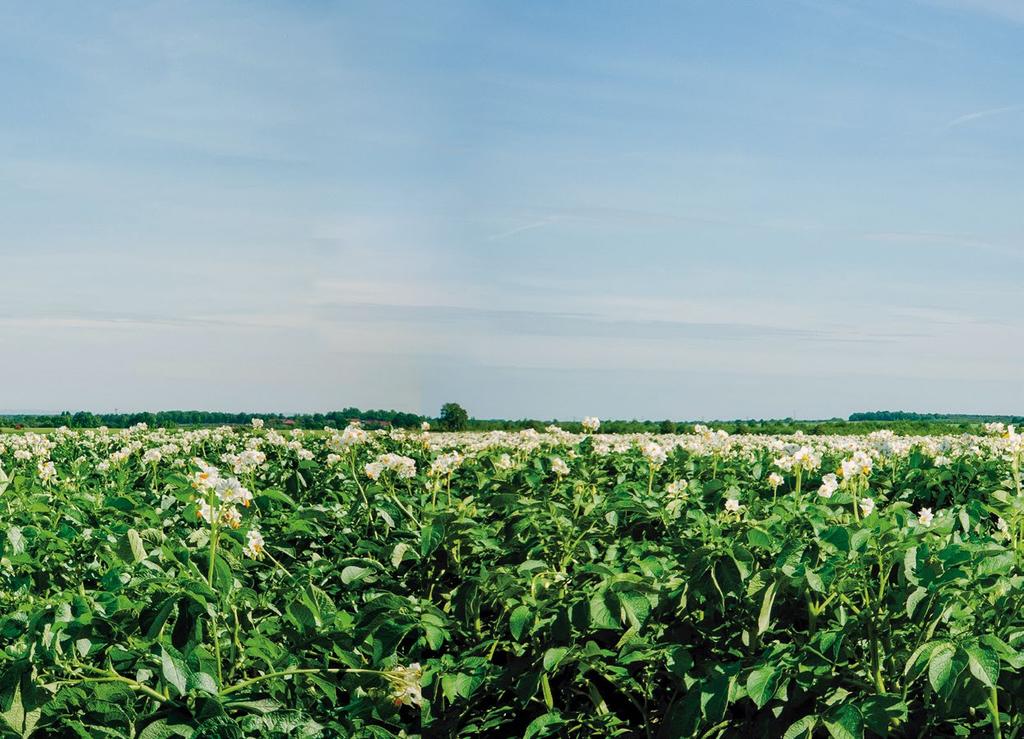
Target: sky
column 687, row 210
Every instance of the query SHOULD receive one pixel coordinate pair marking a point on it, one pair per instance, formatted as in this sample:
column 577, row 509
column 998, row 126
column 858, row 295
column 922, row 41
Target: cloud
column 979, row 114
column 938, row 238
column 519, row 229
column 1011, row 10
column 583, row 325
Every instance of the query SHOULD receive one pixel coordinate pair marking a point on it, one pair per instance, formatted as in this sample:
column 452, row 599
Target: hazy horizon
column 699, row 210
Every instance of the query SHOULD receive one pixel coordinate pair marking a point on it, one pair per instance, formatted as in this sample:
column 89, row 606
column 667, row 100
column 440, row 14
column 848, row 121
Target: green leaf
column 601, row 616
column 553, row 657
column 168, row 727
column 542, row 725
column 402, row 551
column 174, row 669
column 431, row 537
column 138, row 549
column 802, row 728
column 352, row 573
column 16, row 539
column 635, row 607
column 913, row 599
column 942, row 667
column 762, row 684
column 21, row 713
column 765, row 616
column 844, row 722
column 984, row 664
column 518, row 620
column 881, row 711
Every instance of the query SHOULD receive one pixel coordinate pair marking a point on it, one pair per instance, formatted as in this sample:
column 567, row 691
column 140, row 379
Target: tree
column 667, row 427
column 453, row 417
column 83, row 420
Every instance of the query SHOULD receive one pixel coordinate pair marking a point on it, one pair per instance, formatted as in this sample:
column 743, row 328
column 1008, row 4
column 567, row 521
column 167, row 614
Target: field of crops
column 245, row 582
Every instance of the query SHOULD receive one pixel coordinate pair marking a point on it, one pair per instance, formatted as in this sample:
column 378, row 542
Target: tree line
column 453, row 417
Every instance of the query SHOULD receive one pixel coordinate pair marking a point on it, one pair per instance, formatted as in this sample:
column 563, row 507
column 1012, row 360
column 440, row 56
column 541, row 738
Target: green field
column 246, row 582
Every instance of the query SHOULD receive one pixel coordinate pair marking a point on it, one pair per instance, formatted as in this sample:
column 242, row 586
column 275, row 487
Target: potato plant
column 244, row 582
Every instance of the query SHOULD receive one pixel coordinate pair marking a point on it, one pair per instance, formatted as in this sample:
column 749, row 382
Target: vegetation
column 453, row 417
column 174, row 419
column 376, row 584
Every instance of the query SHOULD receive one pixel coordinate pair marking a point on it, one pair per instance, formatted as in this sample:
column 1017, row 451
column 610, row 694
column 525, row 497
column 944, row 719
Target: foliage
column 453, row 417
column 548, row 584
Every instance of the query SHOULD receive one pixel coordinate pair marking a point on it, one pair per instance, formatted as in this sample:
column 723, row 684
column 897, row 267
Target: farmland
column 238, row 582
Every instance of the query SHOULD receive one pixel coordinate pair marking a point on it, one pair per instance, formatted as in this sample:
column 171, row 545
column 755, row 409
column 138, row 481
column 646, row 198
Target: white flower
column 784, row 463
column 559, row 467
column 676, row 494
column 807, row 458
column 406, row 685
column 677, row 487
column 925, row 516
column 859, row 464
column 829, row 484
column 229, row 516
column 152, row 455
column 352, row 436
column 254, row 544
column 47, row 472
column 403, row 467
column 333, row 459
column 230, row 491
column 775, row 479
column 943, row 461
column 206, row 478
column 866, row 506
column 373, row 469
column 732, row 505
column 504, row 462
column 257, row 423
column 591, row 424
column 1003, row 526
column 654, row 454
column 425, row 426
column 445, row 464
column 204, row 511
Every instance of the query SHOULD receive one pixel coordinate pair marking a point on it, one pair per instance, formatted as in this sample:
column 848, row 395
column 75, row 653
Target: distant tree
column 83, row 420
column 453, row 417
column 667, row 427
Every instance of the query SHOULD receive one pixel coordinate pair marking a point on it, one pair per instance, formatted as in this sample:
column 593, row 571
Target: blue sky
column 698, row 209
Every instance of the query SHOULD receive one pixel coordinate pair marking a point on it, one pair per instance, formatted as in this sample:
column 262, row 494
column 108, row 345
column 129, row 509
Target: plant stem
column 993, row 707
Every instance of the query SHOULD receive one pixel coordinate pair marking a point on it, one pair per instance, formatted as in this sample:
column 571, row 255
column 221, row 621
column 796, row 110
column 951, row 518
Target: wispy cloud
column 938, row 238
column 519, row 229
column 588, row 326
column 979, row 114
column 1012, row 10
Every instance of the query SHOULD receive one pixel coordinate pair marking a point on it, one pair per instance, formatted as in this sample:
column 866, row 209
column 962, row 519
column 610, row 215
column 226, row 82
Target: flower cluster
column 218, row 496
column 859, row 464
column 654, row 453
column 829, row 485
column 403, row 467
column 406, row 684
column 445, row 464
column 559, row 467
column 254, row 544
